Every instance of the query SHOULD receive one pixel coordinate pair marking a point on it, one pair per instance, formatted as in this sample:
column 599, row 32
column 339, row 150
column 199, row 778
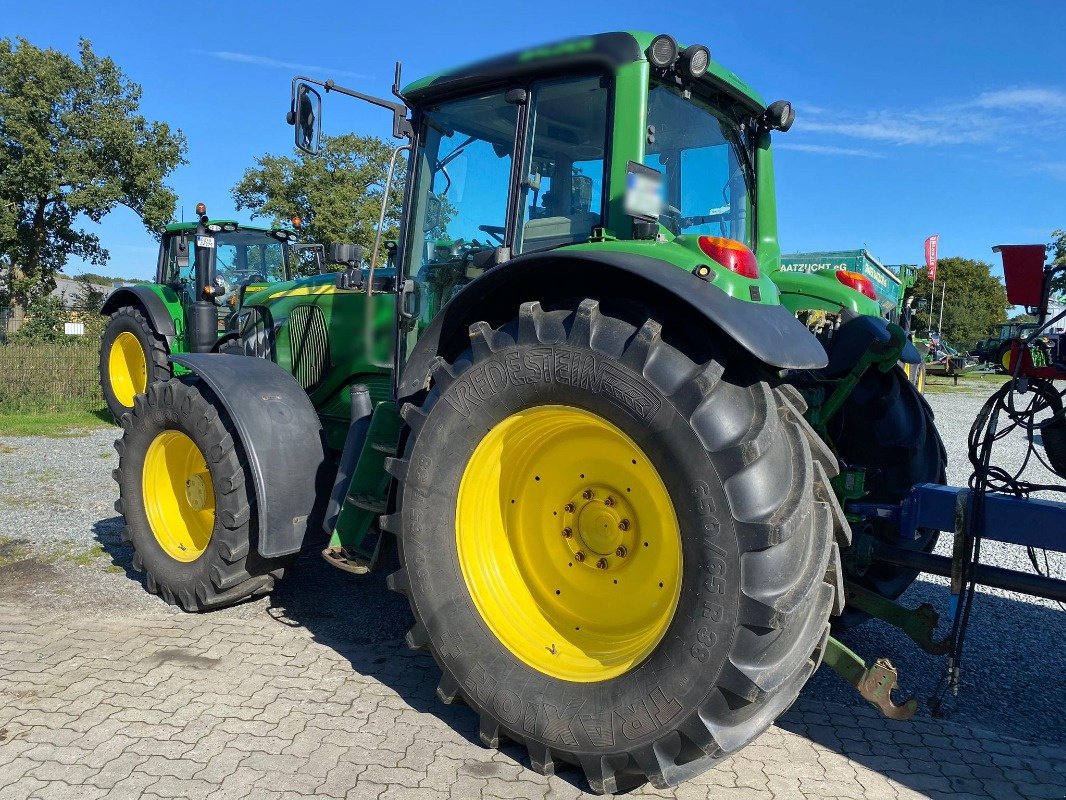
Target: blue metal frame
column 1009, row 519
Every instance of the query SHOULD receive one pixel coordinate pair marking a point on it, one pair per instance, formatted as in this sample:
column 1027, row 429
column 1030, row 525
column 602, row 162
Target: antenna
column 396, row 80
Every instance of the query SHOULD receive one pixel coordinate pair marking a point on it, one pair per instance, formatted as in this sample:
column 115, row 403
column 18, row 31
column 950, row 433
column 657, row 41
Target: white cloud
column 827, row 149
column 264, row 61
column 1022, row 98
column 991, row 117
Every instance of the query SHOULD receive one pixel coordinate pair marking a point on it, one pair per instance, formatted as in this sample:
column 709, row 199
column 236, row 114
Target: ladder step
column 367, row 503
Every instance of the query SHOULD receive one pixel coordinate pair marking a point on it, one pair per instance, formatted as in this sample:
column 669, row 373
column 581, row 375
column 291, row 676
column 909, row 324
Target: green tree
column 89, row 297
column 337, row 193
column 975, row 300
column 1058, row 258
column 72, row 143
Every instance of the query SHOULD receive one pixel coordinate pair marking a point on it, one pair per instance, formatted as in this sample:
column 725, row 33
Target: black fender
column 683, row 303
column 282, row 438
column 856, row 336
column 152, row 304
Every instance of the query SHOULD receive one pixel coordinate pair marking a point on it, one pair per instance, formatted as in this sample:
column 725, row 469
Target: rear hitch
column 919, row 623
column 874, row 683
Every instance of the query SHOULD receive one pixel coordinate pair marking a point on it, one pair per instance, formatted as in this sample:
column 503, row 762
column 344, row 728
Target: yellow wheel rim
column 178, row 498
column 127, row 368
column 921, row 378
column 568, row 543
column 1005, row 360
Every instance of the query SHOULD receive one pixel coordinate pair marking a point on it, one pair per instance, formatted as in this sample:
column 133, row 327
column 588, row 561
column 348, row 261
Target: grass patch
column 60, row 425
column 971, row 383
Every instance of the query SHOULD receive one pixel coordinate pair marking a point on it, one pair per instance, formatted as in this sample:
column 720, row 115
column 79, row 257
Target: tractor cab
column 229, row 258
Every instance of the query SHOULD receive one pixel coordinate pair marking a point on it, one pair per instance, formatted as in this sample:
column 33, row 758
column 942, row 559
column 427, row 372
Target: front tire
column 132, row 357
column 887, row 427
column 657, row 654
column 185, row 489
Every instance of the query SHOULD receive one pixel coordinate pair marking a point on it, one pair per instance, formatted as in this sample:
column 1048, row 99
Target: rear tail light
column 856, row 280
column 731, row 254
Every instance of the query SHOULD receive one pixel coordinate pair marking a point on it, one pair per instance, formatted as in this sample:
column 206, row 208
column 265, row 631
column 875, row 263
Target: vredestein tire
column 226, row 568
column 749, row 482
column 887, row 427
column 126, row 325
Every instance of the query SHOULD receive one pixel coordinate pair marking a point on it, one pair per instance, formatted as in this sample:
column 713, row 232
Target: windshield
column 707, row 185
column 249, row 256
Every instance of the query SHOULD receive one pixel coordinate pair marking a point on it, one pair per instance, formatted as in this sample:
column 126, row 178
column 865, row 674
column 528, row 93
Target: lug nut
column 621, row 552
column 587, row 494
column 579, row 556
column 567, row 533
column 609, row 501
column 601, row 564
column 569, row 508
column 623, row 525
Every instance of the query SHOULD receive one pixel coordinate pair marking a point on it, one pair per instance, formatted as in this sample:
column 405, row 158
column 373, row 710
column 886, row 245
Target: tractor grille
column 309, row 345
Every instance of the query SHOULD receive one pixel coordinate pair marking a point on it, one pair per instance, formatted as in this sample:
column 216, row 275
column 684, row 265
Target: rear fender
column 686, row 305
column 282, row 438
column 805, row 291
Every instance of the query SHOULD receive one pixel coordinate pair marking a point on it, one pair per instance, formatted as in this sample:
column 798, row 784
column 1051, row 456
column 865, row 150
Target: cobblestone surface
column 218, row 706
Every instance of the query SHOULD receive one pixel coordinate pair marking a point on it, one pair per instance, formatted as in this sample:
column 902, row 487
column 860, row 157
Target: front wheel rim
column 568, row 543
column 179, row 500
column 127, row 368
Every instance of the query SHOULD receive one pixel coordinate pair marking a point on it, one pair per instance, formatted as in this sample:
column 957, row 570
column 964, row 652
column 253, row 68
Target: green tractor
column 574, row 396
column 203, row 272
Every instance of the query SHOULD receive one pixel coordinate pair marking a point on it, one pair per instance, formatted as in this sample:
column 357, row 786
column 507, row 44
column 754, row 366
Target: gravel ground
column 58, row 526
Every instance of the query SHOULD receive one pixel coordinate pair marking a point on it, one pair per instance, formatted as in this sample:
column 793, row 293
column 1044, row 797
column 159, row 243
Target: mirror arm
column 401, row 126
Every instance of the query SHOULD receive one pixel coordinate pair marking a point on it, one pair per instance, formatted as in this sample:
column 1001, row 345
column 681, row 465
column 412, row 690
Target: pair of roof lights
column 664, row 54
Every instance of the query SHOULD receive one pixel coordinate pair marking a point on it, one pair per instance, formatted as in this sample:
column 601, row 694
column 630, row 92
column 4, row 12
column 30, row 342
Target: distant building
column 70, row 291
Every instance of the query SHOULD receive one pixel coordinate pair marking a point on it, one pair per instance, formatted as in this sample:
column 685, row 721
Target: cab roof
column 604, row 51
column 178, row 227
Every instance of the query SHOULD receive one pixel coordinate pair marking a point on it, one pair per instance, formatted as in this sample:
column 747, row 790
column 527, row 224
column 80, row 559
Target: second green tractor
column 574, row 396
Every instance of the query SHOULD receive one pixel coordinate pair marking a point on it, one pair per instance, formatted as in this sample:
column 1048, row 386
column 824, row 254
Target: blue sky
column 913, row 117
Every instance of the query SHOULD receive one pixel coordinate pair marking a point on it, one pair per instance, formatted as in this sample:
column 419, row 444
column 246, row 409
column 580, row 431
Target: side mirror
column 433, row 213
column 305, row 115
column 350, row 255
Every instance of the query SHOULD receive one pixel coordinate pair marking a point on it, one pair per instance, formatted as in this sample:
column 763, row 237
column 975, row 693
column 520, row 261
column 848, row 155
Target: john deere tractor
column 203, row 271
column 575, row 397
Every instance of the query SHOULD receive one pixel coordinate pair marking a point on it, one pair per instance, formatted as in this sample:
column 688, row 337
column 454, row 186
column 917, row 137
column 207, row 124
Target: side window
column 178, row 259
column 562, row 191
column 459, row 207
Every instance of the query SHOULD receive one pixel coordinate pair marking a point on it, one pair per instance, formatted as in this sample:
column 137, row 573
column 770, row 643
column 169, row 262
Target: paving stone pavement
column 158, row 704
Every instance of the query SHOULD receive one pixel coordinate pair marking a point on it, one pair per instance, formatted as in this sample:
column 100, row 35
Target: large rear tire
column 887, row 427
column 700, row 500
column 132, row 357
column 185, row 490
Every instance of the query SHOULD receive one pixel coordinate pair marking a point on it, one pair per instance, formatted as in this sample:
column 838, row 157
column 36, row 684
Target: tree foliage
column 72, row 142
column 975, row 300
column 1058, row 258
column 337, row 193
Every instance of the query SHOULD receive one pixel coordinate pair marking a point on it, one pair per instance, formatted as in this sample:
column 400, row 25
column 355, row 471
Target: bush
column 38, row 377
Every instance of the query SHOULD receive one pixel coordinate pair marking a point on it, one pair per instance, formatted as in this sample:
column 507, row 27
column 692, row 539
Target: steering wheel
column 495, row 231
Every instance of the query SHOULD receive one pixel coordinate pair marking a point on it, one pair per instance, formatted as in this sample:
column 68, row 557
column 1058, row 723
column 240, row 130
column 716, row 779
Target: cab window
column 561, row 198
column 178, row 259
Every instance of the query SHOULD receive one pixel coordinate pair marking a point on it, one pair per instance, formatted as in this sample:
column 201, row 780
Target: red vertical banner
column 930, row 255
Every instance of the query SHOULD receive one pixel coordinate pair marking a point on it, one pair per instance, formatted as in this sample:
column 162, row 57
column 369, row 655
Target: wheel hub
column 602, row 523
column 196, row 491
